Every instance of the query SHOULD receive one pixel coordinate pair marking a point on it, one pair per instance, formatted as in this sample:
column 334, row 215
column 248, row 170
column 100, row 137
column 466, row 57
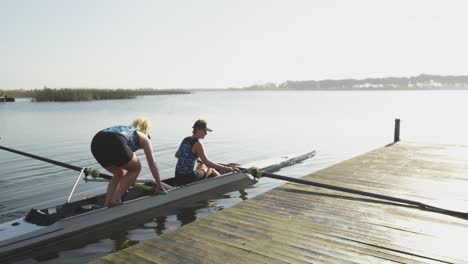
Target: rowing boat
column 40, row 227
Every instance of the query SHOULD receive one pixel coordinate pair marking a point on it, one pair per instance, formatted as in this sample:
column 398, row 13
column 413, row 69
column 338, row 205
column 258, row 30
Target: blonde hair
column 142, row 124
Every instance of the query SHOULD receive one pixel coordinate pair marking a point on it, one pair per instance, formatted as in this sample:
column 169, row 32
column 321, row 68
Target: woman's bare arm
column 199, row 150
column 145, row 144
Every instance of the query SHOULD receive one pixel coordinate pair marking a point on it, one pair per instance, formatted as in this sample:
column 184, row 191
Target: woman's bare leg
column 114, row 183
column 212, row 173
column 208, row 172
column 201, row 170
column 133, row 168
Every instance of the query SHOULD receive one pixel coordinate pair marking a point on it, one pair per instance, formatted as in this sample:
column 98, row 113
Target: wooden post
column 396, row 136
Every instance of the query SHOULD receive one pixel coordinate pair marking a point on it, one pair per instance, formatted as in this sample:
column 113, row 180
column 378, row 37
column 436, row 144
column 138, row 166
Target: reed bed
column 72, row 95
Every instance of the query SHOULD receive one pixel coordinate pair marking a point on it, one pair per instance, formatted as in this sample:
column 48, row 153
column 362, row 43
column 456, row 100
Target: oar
column 88, row 171
column 43, row 159
column 285, row 163
column 257, row 173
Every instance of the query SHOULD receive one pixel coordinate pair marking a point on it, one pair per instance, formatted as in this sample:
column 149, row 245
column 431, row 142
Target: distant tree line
column 420, row 82
column 68, row 95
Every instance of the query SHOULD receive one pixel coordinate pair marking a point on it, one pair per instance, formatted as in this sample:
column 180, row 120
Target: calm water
column 250, row 128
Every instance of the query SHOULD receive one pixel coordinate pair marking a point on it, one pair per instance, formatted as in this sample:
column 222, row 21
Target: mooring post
column 396, row 136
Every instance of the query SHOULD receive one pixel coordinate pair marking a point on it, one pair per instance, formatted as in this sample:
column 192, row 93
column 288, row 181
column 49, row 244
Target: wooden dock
column 302, row 224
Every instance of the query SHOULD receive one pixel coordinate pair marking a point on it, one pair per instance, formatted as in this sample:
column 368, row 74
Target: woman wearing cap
column 114, row 149
column 190, row 151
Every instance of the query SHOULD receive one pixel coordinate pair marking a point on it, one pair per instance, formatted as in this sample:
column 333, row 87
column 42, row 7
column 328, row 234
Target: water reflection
column 187, row 215
column 121, row 240
column 160, row 224
column 243, row 194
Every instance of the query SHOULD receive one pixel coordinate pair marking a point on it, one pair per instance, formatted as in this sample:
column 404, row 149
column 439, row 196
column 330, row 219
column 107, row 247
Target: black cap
column 201, row 124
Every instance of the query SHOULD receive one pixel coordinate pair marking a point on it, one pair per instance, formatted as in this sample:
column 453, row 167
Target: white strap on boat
column 76, row 183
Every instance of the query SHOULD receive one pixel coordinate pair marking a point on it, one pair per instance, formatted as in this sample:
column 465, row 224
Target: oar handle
column 96, row 174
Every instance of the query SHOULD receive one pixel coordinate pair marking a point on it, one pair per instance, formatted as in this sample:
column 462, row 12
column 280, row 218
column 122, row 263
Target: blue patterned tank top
column 186, row 160
column 129, row 132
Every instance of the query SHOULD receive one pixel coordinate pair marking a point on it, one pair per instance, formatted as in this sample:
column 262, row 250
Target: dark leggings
column 111, row 149
column 183, row 179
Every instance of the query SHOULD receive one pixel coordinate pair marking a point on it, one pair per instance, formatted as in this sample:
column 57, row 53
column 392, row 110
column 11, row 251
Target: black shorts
column 183, row 179
column 111, row 149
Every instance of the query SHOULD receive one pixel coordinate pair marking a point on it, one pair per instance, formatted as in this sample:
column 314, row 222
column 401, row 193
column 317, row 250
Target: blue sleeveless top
column 129, row 132
column 186, row 160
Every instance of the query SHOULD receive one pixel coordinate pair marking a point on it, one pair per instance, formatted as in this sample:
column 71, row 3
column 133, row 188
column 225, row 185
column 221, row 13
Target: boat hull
column 19, row 235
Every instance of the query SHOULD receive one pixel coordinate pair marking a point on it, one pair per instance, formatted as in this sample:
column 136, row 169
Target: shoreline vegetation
column 420, row 82
column 73, row 95
column 414, row 83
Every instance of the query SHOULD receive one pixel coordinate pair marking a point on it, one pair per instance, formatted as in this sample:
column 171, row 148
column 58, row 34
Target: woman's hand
column 232, row 169
column 160, row 190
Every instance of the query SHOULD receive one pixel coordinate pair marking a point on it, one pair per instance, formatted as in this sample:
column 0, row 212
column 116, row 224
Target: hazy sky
column 221, row 43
